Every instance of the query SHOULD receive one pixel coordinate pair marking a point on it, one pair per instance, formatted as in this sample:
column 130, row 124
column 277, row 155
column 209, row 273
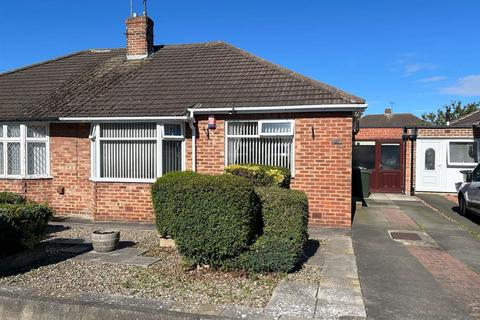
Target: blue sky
column 419, row 55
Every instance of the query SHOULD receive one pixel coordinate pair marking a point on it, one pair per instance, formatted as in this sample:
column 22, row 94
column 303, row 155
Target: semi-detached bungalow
column 89, row 132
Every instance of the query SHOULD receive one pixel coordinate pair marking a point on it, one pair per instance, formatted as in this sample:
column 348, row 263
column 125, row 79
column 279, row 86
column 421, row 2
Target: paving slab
column 125, row 256
column 242, row 312
column 334, row 309
column 293, row 299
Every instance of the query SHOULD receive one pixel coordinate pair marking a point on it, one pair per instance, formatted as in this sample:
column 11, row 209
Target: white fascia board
column 124, row 119
column 283, row 109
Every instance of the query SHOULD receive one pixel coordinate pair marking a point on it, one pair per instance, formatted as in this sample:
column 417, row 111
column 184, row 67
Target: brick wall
column 70, row 168
column 323, row 149
column 70, row 171
column 323, row 167
column 117, row 201
column 445, row 132
column 379, row 133
column 323, row 146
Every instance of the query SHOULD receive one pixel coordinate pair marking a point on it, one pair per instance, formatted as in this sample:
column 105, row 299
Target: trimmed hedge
column 211, row 218
column 22, row 226
column 169, row 194
column 11, row 198
column 261, row 175
column 285, row 233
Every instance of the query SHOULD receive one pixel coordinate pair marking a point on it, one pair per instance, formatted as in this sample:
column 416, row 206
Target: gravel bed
column 166, row 280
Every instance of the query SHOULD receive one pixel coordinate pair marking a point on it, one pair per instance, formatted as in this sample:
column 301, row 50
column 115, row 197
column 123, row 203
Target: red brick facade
column 323, row 149
column 379, row 133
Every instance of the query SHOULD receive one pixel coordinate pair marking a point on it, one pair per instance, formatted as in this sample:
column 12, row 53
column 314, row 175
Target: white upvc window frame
column 476, row 144
column 280, row 134
column 95, row 142
column 260, row 134
column 24, row 140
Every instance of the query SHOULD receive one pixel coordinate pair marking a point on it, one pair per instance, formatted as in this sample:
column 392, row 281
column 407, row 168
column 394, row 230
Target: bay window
column 24, row 151
column 261, row 142
column 136, row 151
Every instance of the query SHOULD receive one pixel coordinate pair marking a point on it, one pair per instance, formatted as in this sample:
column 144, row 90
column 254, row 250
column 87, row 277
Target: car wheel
column 463, row 205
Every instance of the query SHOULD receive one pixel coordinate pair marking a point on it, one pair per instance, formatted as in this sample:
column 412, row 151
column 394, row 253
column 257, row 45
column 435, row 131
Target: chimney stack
column 139, row 37
column 388, row 111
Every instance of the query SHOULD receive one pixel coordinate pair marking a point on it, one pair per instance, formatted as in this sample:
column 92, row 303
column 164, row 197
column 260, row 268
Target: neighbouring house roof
column 103, row 83
column 394, row 120
column 468, row 120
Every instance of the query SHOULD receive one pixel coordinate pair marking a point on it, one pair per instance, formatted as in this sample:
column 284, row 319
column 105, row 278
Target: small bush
column 11, row 198
column 261, row 175
column 211, row 218
column 169, row 194
column 22, row 226
column 285, row 233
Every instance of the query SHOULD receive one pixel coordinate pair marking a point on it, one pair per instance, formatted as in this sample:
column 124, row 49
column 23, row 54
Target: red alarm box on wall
column 212, row 122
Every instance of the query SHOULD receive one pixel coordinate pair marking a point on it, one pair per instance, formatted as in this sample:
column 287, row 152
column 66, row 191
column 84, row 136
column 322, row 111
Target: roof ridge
column 392, row 114
column 312, row 82
column 193, row 44
column 43, row 62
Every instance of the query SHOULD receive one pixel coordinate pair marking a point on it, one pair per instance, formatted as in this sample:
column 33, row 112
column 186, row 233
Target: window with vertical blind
column 261, row 142
column 136, row 151
column 24, row 151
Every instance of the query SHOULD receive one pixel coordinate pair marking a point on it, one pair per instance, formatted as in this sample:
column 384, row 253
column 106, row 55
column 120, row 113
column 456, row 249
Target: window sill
column 112, row 180
column 460, row 165
column 26, row 178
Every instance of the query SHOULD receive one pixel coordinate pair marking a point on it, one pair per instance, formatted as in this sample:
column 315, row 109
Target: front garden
column 237, row 236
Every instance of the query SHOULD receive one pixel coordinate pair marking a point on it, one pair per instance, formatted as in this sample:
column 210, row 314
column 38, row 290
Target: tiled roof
column 103, row 83
column 468, row 120
column 395, row 120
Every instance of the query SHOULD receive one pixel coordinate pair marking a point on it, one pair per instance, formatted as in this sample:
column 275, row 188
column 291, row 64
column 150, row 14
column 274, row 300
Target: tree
column 450, row 112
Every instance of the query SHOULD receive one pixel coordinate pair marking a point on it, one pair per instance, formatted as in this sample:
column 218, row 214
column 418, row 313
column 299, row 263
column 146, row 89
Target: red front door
column 385, row 159
column 389, row 167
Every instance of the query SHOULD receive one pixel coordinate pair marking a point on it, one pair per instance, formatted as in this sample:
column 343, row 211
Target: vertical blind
column 245, row 145
column 130, row 150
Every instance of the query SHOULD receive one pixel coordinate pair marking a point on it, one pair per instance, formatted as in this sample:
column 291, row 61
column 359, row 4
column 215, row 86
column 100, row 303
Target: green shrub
column 12, row 198
column 22, row 226
column 261, row 175
column 169, row 194
column 211, row 218
column 285, row 233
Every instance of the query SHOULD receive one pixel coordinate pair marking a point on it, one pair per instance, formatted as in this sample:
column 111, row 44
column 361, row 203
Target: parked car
column 469, row 192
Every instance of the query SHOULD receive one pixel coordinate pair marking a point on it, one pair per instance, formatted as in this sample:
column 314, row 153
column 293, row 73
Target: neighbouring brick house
column 382, row 145
column 437, row 154
column 91, row 131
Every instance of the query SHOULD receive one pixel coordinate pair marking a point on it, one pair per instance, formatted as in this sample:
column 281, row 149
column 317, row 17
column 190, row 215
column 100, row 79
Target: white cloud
column 466, row 86
column 413, row 68
column 432, row 79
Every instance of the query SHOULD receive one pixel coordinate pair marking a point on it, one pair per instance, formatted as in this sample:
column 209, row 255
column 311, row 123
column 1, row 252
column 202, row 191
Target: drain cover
column 405, row 236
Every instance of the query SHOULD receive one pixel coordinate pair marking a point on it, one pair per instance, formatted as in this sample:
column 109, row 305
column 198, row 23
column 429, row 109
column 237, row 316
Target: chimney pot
column 388, row 111
column 139, row 37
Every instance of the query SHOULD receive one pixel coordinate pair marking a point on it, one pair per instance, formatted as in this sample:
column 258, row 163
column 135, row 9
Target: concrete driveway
column 431, row 270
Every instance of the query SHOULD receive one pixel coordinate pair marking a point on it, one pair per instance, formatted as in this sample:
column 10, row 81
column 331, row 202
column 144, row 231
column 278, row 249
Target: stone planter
column 105, row 240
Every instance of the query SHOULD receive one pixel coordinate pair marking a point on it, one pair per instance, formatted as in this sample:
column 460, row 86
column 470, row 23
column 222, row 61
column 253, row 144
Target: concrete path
column 337, row 296
column 415, row 279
